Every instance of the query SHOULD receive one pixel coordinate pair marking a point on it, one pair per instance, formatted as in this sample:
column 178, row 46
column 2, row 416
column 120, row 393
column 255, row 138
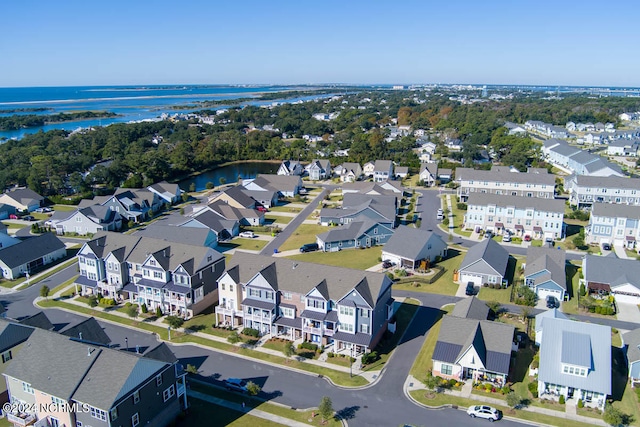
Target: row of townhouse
column 590, row 127
column 58, row 381
column 623, row 147
column 326, row 305
column 547, row 129
column 502, row 180
column 178, row 278
column 576, row 160
column 584, row 191
column 520, row 216
column 618, row 225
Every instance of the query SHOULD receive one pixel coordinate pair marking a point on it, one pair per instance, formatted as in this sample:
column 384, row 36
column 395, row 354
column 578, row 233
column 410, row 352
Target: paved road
column 293, row 225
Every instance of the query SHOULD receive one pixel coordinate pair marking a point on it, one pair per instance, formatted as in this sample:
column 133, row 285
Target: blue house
column 361, row 232
column 544, row 272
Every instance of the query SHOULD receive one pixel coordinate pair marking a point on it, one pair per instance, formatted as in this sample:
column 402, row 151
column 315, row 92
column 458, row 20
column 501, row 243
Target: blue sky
column 50, row 43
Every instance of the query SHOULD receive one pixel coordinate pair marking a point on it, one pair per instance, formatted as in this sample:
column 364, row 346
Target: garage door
column 466, row 278
column 627, row 299
column 394, row 259
column 543, row 293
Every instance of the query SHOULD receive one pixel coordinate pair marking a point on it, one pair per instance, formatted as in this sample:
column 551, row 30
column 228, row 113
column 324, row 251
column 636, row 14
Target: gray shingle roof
column 12, row 334
column 410, row 243
column 302, row 277
column 88, row 331
column 173, row 233
column 24, row 196
column 38, row 320
column 616, row 210
column 553, row 351
column 161, row 352
column 537, row 203
column 491, row 340
column 489, row 251
column 277, row 183
column 471, row 308
column 382, row 165
column 550, row 259
column 632, row 340
column 613, row 182
column 611, row 270
column 30, row 249
column 502, row 175
column 351, row 231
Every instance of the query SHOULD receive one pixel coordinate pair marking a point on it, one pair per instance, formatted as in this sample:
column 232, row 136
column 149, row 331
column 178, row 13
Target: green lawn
column 201, row 323
column 503, row 296
column 445, row 284
column 285, row 208
column 63, row 285
column 340, row 378
column 13, row 226
column 305, row 233
column 403, row 315
column 248, row 244
column 278, row 219
column 253, row 402
column 64, row 208
column 423, row 363
column 201, row 413
column 458, row 216
column 360, row 259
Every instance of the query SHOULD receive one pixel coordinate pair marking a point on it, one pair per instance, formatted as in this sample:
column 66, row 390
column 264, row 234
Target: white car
column 506, row 238
column 486, row 412
column 247, row 234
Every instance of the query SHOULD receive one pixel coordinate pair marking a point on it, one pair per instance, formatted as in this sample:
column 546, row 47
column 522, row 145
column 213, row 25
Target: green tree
column 513, row 399
column 132, row 311
column 288, row 350
column 92, row 301
column 432, row 382
column 174, row 321
column 234, row 338
column 192, row 188
column 615, row 417
column 325, row 409
column 44, row 291
column 253, row 389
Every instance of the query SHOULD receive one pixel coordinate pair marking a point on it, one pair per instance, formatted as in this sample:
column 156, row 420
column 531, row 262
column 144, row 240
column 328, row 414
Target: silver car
column 486, row 412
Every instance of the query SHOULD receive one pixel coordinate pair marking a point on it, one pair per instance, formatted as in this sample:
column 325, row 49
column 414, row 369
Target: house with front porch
column 178, row 278
column 413, row 248
column 575, row 361
column 584, row 191
column 484, row 262
column 359, row 233
column 472, row 348
column 30, row 255
column 537, row 217
column 346, row 308
column 428, row 173
column 290, row 167
column 169, row 193
column 383, row 170
column 381, row 209
column 349, row 172
column 319, row 169
column 22, row 199
column 87, row 220
column 610, row 274
column 283, row 185
column 545, row 273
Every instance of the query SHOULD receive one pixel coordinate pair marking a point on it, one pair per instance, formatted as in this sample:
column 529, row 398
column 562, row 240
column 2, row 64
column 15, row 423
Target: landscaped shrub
column 143, row 308
column 330, row 355
column 107, row 301
column 306, row 345
column 561, row 399
column 580, row 403
column 505, row 390
column 158, row 312
column 369, row 358
column 487, row 387
column 92, row 301
column 251, row 332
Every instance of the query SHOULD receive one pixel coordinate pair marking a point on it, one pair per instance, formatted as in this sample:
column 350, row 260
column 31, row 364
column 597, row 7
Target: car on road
column 606, row 247
column 235, row 384
column 247, row 234
column 471, row 289
column 309, row 247
column 551, row 301
column 387, row 264
column 506, row 238
column 527, row 238
column 440, row 217
column 28, row 218
column 486, row 412
column 43, row 210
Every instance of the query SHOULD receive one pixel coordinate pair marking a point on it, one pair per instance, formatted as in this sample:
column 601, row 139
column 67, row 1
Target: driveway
column 628, row 312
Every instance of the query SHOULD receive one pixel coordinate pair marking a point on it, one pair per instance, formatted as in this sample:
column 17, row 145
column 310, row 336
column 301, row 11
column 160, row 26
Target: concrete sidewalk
column 569, row 414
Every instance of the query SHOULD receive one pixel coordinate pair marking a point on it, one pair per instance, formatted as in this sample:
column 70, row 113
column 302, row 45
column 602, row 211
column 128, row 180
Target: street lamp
column 126, row 340
column 351, row 361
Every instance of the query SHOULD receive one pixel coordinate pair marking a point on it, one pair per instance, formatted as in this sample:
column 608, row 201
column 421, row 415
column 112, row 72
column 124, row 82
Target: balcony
column 180, row 389
column 21, row 419
column 227, row 311
column 312, row 330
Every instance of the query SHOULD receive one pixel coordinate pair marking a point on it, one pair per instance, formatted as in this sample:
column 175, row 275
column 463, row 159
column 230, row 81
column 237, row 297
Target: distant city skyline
column 74, row 43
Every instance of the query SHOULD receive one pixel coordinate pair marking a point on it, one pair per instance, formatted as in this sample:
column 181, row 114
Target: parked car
column 235, row 384
column 247, row 234
column 471, row 289
column 506, row 238
column 527, row 238
column 262, row 209
column 606, row 247
column 440, row 217
column 28, row 218
column 43, row 210
column 309, row 247
column 486, row 412
column 387, row 264
column 488, row 234
column 14, row 216
column 551, row 301
column 440, row 211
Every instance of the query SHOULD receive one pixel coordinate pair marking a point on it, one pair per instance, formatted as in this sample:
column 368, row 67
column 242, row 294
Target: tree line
column 19, row 121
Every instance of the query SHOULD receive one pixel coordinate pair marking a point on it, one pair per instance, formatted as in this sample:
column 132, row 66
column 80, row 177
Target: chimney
column 80, row 334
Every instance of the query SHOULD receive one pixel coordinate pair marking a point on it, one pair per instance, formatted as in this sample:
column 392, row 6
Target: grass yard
column 14, row 226
column 278, row 219
column 64, row 208
column 458, row 216
column 403, row 316
column 503, row 296
column 63, row 285
column 201, row 413
column 285, row 208
column 423, row 363
column 201, row 323
column 360, row 259
column 445, row 284
column 248, row 244
column 305, row 233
